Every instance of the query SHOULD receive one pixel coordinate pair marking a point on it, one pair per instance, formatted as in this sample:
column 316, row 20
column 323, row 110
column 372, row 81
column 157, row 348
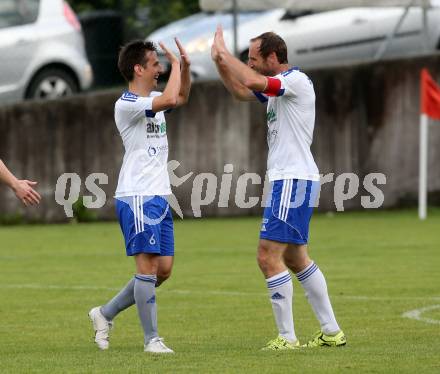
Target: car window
column 18, row 12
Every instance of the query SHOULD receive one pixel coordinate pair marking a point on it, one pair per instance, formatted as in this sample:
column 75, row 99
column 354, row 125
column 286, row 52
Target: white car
column 196, row 33
column 42, row 53
column 314, row 40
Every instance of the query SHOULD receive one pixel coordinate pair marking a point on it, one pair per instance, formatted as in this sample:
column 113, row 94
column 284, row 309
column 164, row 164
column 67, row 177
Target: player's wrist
column 14, row 184
column 221, row 53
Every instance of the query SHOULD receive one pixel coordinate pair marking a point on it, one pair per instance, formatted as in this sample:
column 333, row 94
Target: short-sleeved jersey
column 290, row 122
column 144, row 169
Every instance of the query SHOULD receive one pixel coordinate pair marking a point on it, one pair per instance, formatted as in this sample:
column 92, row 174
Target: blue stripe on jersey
column 260, row 96
column 150, row 114
column 128, row 96
column 287, row 72
column 131, row 95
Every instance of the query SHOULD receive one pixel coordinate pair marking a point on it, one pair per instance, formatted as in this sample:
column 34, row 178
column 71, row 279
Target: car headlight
column 199, row 45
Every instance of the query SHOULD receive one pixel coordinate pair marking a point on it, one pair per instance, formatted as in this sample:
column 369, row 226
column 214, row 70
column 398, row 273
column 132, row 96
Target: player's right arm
column 22, row 188
column 170, row 95
column 232, row 84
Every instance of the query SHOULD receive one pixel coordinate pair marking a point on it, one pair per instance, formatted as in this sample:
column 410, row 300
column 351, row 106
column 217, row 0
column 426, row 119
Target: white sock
column 281, row 293
column 315, row 288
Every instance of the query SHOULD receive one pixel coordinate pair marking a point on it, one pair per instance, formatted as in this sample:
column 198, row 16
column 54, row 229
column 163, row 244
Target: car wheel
column 52, row 83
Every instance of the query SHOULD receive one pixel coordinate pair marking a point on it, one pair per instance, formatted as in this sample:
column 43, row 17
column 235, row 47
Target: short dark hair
column 271, row 42
column 131, row 54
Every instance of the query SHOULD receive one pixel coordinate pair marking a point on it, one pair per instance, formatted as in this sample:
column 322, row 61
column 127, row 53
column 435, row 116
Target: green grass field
column 214, row 311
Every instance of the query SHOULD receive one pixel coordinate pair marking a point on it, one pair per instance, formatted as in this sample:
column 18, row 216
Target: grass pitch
column 214, row 311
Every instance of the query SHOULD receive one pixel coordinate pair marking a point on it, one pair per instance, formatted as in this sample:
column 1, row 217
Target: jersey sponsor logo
column 154, row 151
column 155, row 128
column 271, row 116
column 271, row 136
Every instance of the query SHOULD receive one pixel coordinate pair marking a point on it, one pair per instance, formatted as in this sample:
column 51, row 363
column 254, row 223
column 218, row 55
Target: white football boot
column 101, row 326
column 156, row 345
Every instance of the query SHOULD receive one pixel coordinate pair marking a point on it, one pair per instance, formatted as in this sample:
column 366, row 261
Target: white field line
column 37, row 286
column 417, row 314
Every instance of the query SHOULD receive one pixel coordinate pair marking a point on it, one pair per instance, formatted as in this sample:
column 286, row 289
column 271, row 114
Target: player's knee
column 297, row 258
column 261, row 260
column 163, row 275
column 147, row 263
column 295, row 267
column 298, row 264
column 293, row 264
column 264, row 260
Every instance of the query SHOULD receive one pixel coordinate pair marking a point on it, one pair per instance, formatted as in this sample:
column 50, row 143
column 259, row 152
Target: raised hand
column 185, row 61
column 24, row 192
column 214, row 52
column 218, row 45
column 169, row 55
column 219, row 40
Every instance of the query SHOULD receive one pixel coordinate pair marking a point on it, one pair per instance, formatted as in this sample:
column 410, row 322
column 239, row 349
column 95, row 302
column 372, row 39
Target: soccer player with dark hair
column 23, row 189
column 143, row 211
column 294, row 178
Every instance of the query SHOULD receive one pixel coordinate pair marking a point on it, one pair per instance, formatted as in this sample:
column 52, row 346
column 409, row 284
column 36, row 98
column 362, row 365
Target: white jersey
column 144, row 169
column 290, row 122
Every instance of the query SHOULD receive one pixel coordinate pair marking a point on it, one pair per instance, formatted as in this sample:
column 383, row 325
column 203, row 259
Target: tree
column 141, row 16
column 164, row 12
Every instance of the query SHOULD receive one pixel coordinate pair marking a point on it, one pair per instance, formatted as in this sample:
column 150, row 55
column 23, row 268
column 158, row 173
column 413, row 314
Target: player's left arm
column 185, row 75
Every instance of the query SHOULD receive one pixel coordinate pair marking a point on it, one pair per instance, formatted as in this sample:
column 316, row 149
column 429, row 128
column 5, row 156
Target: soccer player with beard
column 294, row 178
